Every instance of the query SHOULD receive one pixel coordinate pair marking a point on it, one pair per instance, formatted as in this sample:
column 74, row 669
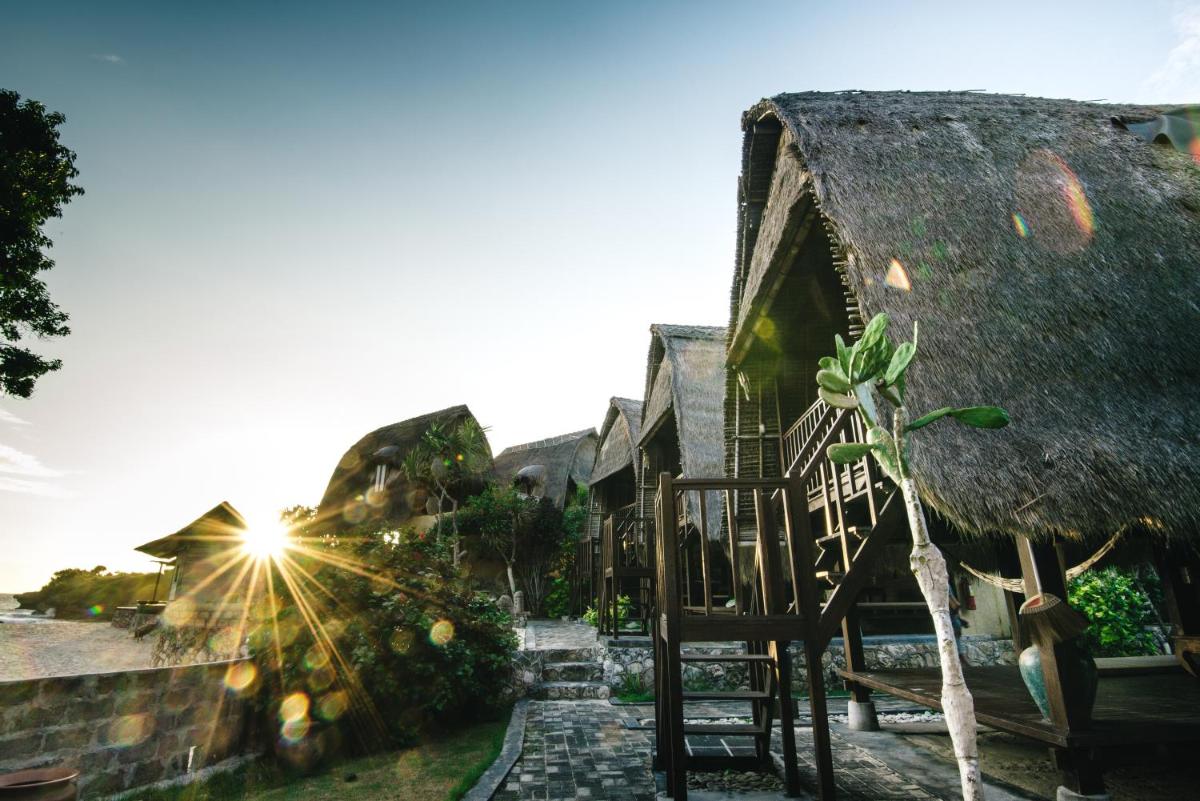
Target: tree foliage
column 78, row 593
column 35, row 183
column 1119, row 611
column 447, row 458
column 403, row 643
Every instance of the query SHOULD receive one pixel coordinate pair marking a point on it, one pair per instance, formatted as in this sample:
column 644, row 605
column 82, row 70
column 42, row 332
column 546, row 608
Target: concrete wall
column 123, row 730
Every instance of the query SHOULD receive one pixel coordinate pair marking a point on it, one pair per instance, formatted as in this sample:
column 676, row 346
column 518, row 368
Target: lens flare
column 897, row 276
column 333, row 705
column 129, row 730
column 1020, row 226
column 401, row 640
column 294, row 707
column 265, row 540
column 240, row 677
column 441, row 633
column 293, row 731
column 1194, row 149
column 179, row 612
column 1052, row 204
column 93, row 611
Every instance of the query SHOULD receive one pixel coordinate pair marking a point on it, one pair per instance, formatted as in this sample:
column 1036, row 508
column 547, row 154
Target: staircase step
column 572, row 671
column 724, row 729
column 726, row 695
column 570, row 690
column 553, row 655
column 725, row 658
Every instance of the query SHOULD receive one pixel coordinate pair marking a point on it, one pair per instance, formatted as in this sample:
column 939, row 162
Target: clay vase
column 39, row 784
column 1079, row 677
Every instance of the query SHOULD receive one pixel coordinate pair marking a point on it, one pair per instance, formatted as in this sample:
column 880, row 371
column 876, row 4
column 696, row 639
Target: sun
column 265, row 540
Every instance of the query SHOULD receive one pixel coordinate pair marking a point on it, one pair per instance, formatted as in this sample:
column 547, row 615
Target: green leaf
column 828, row 363
column 874, row 331
column 837, row 400
column 843, row 353
column 932, row 417
column 847, row 452
column 833, row 380
column 981, row 416
column 899, row 363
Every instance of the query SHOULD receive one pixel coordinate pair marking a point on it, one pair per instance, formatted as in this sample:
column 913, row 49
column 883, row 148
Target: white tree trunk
column 929, row 566
column 512, row 582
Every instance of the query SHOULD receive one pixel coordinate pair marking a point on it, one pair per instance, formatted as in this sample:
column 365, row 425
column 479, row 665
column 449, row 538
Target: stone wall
column 630, row 663
column 124, row 730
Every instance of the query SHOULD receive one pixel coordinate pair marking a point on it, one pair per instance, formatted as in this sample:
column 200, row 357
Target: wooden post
column 669, row 613
column 800, row 543
column 1042, row 570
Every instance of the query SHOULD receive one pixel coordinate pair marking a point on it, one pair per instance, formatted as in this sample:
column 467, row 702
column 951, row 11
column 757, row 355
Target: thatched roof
column 345, row 498
column 1078, row 316
column 685, row 388
column 216, row 529
column 564, row 458
column 617, row 446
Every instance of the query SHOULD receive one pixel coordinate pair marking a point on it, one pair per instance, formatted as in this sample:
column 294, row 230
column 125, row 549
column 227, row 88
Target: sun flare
column 265, row 540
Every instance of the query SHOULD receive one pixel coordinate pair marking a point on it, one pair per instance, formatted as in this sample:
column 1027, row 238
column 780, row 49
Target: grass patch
column 636, row 696
column 442, row 769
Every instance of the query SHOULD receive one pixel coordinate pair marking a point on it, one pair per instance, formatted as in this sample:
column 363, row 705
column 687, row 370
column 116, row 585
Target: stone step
column 569, row 690
column 570, row 654
column 572, row 671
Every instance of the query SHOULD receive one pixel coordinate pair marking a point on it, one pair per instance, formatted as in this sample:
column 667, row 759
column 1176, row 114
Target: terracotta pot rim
column 35, row 777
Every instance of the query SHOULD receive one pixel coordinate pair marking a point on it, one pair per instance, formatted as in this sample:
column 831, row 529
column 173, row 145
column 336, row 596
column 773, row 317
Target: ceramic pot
column 1080, row 678
column 39, row 784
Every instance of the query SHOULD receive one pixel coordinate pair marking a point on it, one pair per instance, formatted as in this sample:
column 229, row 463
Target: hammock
column 1017, row 585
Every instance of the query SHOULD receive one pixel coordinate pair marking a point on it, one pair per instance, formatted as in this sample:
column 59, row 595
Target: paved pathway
column 585, row 749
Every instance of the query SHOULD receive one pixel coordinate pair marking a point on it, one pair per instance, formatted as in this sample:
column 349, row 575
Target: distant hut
column 681, row 434
column 549, row 468
column 368, row 483
column 209, row 595
column 201, row 550
column 1048, row 249
column 613, row 486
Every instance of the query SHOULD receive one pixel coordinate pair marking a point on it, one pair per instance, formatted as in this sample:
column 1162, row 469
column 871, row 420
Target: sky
column 306, row 221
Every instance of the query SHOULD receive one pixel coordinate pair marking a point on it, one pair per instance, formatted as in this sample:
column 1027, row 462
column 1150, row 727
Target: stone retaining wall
column 124, row 730
column 630, row 663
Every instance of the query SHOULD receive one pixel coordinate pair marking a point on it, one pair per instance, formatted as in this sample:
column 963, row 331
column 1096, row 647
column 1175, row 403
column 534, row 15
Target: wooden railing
column 626, row 557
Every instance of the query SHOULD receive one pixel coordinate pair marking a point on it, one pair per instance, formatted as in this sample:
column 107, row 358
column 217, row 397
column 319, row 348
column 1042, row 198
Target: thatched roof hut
column 1050, row 255
column 550, row 468
column 368, row 484
column 204, row 547
column 683, row 412
column 617, row 446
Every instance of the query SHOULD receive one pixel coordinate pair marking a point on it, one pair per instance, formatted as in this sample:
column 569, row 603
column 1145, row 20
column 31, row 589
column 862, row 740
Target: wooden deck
column 1143, row 708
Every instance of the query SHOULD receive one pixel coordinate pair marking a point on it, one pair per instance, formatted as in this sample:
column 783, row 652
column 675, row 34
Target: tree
column 850, row 381
column 35, row 183
column 444, row 460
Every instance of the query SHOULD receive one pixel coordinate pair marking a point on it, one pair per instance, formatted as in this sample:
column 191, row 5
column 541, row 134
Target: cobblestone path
column 584, row 749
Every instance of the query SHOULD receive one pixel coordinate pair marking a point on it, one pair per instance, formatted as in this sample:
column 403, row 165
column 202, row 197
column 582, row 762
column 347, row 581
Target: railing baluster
column 704, row 553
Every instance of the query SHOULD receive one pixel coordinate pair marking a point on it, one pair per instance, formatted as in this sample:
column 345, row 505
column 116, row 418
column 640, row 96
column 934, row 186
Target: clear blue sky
column 304, row 221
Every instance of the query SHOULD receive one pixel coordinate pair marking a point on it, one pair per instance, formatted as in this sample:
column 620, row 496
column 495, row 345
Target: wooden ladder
column 767, row 616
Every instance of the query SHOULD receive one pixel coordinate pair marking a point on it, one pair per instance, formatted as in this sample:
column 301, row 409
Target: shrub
column 624, row 606
column 385, row 638
column 95, row 593
column 1119, row 610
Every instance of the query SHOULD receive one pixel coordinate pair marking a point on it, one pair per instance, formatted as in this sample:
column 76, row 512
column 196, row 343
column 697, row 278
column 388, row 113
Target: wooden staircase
column 812, row 538
column 626, row 553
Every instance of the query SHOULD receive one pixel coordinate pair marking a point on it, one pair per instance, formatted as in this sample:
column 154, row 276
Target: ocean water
column 9, row 613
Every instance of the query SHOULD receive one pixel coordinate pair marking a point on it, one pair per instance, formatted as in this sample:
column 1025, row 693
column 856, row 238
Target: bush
column 1119, row 610
column 95, row 593
column 624, row 606
column 392, row 644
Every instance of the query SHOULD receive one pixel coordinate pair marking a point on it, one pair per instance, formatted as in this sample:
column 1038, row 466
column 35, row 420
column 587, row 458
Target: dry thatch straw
column 685, row 388
column 617, row 446
column 1050, row 256
column 563, row 459
column 348, row 497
